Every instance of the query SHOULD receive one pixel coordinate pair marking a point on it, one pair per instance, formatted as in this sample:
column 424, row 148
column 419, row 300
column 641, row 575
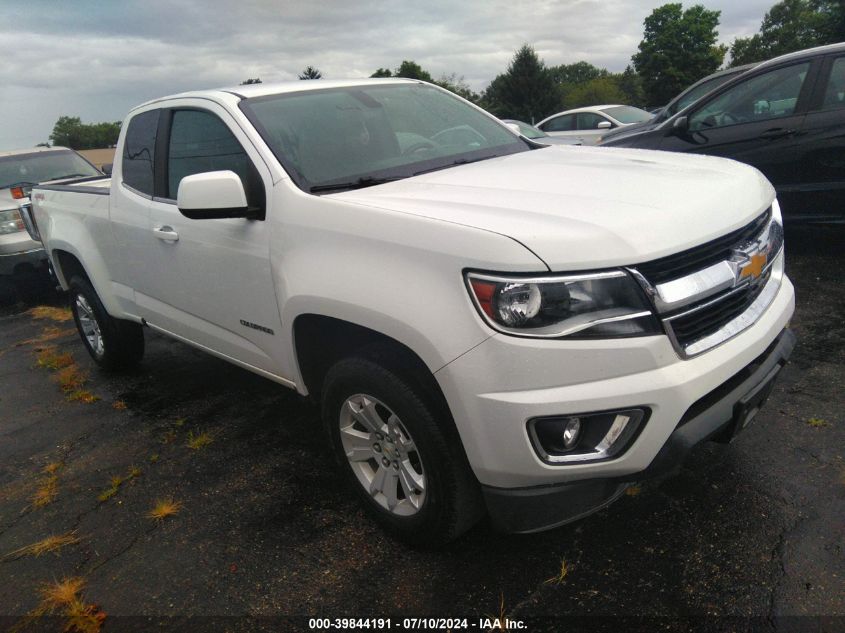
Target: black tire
column 122, row 341
column 452, row 502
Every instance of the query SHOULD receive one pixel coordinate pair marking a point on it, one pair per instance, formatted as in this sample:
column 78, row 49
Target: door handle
column 166, row 233
column 776, row 132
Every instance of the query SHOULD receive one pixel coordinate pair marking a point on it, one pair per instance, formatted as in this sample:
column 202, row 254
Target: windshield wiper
column 460, row 161
column 73, row 176
column 360, row 183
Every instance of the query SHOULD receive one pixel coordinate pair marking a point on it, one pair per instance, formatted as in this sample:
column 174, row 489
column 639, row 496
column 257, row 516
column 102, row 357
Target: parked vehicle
column 486, row 325
column 537, row 135
column 21, row 256
column 686, row 98
column 588, row 125
column 786, row 117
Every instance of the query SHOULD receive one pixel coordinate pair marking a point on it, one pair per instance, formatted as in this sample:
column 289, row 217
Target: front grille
column 699, row 257
column 704, row 321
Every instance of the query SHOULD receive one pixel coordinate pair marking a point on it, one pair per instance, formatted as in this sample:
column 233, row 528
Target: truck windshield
column 37, row 167
column 343, row 138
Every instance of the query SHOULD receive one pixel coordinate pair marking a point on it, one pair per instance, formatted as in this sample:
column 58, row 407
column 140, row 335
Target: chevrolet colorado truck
column 490, row 326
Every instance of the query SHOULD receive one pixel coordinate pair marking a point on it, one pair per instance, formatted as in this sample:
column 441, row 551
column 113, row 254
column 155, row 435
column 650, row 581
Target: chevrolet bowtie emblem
column 754, row 267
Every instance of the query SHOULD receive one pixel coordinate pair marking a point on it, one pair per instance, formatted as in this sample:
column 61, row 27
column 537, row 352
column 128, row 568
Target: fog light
column 571, row 432
column 585, row 437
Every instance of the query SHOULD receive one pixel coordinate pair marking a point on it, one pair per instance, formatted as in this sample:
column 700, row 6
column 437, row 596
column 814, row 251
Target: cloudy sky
column 96, row 59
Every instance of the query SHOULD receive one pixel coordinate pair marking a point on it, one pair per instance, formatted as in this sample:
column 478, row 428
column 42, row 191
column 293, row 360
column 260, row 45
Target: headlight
column 10, row 222
column 595, row 305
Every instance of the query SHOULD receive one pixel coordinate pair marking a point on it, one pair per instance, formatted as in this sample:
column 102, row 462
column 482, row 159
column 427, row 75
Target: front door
column 210, row 281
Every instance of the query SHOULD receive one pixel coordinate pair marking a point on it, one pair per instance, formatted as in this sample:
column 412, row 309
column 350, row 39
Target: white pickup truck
column 489, row 325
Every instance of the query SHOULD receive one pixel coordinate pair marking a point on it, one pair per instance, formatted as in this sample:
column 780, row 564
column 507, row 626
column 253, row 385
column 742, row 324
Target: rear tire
column 114, row 344
column 389, row 437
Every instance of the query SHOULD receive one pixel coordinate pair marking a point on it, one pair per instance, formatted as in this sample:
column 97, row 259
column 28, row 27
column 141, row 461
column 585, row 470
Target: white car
column 487, row 325
column 589, row 124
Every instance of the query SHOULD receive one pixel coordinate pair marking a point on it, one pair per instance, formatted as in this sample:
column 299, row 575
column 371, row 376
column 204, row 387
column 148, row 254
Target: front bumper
column 22, row 261
column 719, row 414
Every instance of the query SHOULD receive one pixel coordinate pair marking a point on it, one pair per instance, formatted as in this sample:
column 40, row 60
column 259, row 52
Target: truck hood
column 578, row 208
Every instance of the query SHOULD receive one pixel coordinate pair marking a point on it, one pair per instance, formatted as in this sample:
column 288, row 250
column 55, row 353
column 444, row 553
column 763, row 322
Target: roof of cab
column 249, row 91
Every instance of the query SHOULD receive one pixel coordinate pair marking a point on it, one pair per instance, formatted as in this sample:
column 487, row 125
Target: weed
column 200, row 440
column 49, row 358
column 53, row 314
column 168, row 437
column 53, row 467
column 180, row 422
column 71, row 378
column 64, row 598
column 633, row 491
column 50, row 544
column 164, row 508
column 119, row 405
column 153, row 458
column 46, row 492
column 116, row 482
column 817, row 423
column 561, row 576
column 82, row 396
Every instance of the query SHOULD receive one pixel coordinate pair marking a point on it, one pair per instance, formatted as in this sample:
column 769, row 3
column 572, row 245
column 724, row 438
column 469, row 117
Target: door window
column 201, row 142
column 768, row 96
column 589, row 120
column 834, row 96
column 139, row 152
column 565, row 123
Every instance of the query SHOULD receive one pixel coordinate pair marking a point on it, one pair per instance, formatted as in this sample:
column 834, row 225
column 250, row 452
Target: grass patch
column 817, row 423
column 163, row 509
column 116, row 482
column 81, row 395
column 64, row 598
column 47, row 491
column 199, row 441
column 60, row 315
column 50, row 358
column 560, row 578
column 50, row 544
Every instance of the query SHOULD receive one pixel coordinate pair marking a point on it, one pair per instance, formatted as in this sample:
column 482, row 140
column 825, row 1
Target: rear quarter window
column 139, row 152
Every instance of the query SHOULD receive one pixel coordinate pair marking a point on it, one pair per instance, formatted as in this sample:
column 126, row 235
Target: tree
column 382, row 72
column 526, row 91
column 310, row 73
column 71, row 132
column 597, row 91
column 792, row 25
column 456, row 84
column 678, row 48
column 249, row 82
column 577, row 73
column 412, row 70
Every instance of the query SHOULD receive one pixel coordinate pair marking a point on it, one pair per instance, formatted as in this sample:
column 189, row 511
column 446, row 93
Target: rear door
column 755, row 120
column 210, row 281
column 820, row 193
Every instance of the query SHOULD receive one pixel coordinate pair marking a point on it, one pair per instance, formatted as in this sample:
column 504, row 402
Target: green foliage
column 412, row 70
column 382, row 72
column 678, row 48
column 792, row 25
column 598, row 91
column 527, row 91
column 310, row 73
column 249, row 82
column 456, row 84
column 72, row 132
column 577, row 73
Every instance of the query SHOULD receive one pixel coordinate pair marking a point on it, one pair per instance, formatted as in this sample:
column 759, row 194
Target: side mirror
column 212, row 195
column 679, row 127
column 604, row 125
column 514, row 128
column 107, row 168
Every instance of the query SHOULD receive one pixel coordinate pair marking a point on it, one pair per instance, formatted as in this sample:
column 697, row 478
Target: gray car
column 589, row 124
column 537, row 135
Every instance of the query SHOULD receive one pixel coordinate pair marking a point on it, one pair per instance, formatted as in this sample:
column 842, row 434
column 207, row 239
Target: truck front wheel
column 112, row 343
column 391, row 446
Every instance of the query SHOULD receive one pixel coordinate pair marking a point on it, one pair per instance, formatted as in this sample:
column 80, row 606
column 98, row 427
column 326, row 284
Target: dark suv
column 786, row 117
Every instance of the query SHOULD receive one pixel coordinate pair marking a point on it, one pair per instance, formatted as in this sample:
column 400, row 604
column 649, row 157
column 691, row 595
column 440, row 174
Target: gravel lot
column 752, row 531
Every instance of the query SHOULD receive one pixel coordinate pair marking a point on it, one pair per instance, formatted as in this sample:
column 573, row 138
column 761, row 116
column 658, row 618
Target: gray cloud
column 96, row 59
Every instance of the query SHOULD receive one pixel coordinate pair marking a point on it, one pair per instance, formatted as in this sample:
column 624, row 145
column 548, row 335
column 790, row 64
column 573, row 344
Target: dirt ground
column 259, row 524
